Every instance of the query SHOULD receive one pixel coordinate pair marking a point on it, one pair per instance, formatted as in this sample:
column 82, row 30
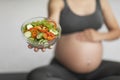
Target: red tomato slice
column 49, row 36
column 34, row 32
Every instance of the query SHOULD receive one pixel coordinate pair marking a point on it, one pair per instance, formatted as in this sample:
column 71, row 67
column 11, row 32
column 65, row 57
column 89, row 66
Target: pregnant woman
column 78, row 53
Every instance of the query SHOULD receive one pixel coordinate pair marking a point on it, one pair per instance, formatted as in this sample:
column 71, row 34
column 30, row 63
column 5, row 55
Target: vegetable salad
column 41, row 32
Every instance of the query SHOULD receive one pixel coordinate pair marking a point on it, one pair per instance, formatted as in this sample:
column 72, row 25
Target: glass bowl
column 41, row 32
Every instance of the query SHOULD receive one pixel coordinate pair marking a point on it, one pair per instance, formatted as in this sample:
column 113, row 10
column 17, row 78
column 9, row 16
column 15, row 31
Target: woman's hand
column 36, row 49
column 90, row 35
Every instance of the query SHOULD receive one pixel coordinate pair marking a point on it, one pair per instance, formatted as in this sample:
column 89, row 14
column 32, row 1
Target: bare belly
column 78, row 56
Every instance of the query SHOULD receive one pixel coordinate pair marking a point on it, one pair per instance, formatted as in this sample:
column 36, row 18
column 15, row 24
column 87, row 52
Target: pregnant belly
column 78, row 56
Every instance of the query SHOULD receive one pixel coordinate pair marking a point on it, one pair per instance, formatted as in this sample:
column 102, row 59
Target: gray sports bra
column 71, row 22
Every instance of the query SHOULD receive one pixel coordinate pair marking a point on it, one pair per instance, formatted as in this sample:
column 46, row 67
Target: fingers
column 91, row 35
column 82, row 37
column 43, row 49
column 87, row 34
column 36, row 49
column 30, row 47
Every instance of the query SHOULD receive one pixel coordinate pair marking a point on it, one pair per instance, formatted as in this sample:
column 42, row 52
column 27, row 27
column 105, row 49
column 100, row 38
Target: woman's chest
column 71, row 22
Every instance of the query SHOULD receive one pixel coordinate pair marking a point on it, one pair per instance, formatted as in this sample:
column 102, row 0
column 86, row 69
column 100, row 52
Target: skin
column 71, row 49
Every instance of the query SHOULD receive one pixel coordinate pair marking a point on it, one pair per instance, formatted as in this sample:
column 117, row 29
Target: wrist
column 102, row 36
column 108, row 36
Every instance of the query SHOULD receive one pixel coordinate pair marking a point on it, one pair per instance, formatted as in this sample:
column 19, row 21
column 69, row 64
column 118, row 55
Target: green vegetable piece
column 55, row 32
column 41, row 41
column 27, row 34
column 40, row 35
column 31, row 40
column 44, row 41
column 24, row 29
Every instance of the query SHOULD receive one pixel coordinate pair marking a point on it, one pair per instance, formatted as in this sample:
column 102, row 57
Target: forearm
column 111, row 35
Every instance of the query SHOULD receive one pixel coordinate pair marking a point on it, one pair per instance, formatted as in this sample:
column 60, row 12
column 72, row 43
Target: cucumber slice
column 31, row 40
column 40, row 35
column 41, row 41
column 44, row 41
column 55, row 32
column 46, row 44
column 27, row 34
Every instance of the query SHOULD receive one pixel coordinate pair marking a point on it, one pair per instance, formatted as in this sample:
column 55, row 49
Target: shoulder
column 104, row 4
column 56, row 3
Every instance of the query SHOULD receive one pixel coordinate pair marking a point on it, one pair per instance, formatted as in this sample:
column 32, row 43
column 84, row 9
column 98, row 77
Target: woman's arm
column 54, row 9
column 110, row 21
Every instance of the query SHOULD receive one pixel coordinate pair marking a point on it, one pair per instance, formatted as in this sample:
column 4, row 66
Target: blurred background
column 14, row 54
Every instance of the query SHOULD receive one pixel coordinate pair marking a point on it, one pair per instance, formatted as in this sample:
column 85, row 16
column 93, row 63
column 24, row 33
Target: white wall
column 14, row 54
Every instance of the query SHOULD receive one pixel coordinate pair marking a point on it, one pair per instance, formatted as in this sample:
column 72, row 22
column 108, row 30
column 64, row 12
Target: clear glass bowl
column 41, row 42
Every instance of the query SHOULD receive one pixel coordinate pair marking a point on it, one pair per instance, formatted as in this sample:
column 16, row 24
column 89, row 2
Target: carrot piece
column 51, row 36
column 45, row 35
column 34, row 32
